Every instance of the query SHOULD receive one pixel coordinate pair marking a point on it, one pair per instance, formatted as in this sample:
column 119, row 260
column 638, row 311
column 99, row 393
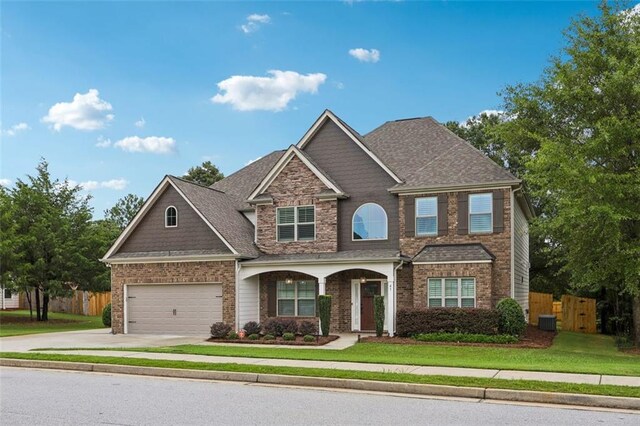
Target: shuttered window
column 427, row 216
column 296, row 223
column 481, row 213
column 451, row 292
column 297, row 298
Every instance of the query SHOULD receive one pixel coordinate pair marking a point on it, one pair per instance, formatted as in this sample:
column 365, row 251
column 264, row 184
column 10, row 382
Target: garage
column 173, row 308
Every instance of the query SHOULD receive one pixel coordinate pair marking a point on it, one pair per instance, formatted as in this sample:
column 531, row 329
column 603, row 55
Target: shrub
column 252, row 327
column 106, row 315
column 309, row 338
column 324, row 309
column 232, row 335
column 254, row 336
column 467, row 338
column 279, row 326
column 288, row 336
column 378, row 314
column 307, row 327
column 511, row 317
column 219, row 330
column 269, row 337
column 410, row 322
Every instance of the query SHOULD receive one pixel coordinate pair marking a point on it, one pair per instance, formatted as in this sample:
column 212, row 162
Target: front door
column 367, row 291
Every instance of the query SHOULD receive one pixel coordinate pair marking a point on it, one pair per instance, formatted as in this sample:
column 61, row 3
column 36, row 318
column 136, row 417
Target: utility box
column 547, row 322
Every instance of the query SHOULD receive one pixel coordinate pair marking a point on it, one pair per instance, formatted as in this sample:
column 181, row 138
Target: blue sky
column 141, row 78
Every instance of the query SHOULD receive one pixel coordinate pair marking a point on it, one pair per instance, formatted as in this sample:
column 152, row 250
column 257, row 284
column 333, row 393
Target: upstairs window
column 171, row 217
column 481, row 213
column 296, row 223
column 369, row 223
column 427, row 216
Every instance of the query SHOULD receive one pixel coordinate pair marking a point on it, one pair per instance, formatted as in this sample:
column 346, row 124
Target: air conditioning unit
column 547, row 322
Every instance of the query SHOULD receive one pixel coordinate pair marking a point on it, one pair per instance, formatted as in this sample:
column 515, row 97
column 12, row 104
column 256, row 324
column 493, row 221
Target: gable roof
column 454, row 253
column 353, row 135
column 214, row 207
column 426, row 154
column 292, row 152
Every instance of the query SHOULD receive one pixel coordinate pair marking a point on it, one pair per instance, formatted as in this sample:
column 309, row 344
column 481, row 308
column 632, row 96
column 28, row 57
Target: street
column 38, row 397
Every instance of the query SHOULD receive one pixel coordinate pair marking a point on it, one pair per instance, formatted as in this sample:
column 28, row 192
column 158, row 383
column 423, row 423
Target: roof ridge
column 250, row 164
column 196, row 184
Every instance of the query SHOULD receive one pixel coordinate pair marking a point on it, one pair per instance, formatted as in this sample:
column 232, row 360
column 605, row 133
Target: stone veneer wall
column 172, row 272
column 497, row 243
column 482, row 272
column 296, row 185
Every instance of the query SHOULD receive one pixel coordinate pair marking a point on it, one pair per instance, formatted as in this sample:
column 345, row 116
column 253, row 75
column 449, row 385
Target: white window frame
column 490, row 194
column 386, row 223
column 433, row 234
column 296, row 299
column 459, row 297
column 166, row 217
column 296, row 223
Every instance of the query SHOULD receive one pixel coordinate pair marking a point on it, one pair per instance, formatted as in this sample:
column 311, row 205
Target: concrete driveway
column 98, row 338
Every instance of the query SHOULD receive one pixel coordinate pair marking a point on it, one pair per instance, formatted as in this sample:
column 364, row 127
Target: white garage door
column 173, row 308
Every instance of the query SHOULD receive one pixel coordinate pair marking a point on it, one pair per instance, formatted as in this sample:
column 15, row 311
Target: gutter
column 447, row 188
column 323, row 261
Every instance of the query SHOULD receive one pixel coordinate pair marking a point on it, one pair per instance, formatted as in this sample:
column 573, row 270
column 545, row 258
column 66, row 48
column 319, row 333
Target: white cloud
column 250, row 93
column 153, row 144
column 252, row 161
column 140, row 123
column 5, row 182
column 16, row 128
column 86, row 112
column 116, row 184
column 254, row 22
column 365, row 55
column 103, row 142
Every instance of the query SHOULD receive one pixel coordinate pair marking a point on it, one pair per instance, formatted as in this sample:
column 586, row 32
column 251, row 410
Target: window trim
column 296, row 223
column 459, row 297
column 166, row 217
column 469, row 214
column 386, row 223
column 296, row 299
column 434, row 234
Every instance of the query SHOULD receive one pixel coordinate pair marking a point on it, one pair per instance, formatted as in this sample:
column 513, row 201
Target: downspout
column 237, row 302
column 395, row 295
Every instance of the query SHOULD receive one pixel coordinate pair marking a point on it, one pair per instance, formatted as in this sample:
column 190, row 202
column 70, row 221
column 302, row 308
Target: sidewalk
column 593, row 379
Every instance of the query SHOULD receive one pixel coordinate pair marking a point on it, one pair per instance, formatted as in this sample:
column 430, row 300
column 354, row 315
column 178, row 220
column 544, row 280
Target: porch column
column 391, row 303
column 322, row 288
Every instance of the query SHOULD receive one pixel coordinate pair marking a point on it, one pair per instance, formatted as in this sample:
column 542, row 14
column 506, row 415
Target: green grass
column 609, row 390
column 16, row 323
column 570, row 353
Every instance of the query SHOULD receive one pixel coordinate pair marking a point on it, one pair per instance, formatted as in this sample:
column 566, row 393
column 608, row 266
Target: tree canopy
column 124, row 210
column 206, row 174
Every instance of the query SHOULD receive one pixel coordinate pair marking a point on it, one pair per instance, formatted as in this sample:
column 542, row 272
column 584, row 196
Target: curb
column 600, row 401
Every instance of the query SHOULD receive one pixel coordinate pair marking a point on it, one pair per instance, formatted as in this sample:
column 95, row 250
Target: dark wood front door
column 367, row 291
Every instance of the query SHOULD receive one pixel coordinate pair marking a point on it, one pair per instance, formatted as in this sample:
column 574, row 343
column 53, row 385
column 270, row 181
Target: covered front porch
column 276, row 287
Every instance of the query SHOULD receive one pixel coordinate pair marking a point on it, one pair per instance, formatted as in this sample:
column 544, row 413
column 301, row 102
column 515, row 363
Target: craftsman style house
column 409, row 211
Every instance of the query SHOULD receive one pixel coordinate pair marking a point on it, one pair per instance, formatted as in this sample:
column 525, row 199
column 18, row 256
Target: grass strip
column 609, row 390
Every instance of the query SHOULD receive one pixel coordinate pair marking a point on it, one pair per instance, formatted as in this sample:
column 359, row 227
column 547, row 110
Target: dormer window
column 369, row 223
column 171, row 217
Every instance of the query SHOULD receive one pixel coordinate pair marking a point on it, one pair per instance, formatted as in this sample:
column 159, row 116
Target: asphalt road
column 39, row 397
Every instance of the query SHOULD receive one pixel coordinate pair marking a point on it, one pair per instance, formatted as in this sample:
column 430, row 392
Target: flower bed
column 278, row 341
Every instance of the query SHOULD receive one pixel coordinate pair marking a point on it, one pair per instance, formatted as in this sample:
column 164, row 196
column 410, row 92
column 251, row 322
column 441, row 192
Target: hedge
column 410, row 322
column 466, row 338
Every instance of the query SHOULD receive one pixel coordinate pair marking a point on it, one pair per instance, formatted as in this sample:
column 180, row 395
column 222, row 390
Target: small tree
column 124, row 210
column 378, row 314
column 207, row 174
column 324, row 310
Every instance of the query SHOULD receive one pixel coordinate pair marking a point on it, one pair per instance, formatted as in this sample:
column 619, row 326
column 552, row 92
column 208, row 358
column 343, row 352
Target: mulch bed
column 533, row 339
column 20, row 319
column 278, row 341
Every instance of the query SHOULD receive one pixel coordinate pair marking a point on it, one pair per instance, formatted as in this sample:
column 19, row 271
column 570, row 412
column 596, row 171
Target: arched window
column 171, row 217
column 369, row 223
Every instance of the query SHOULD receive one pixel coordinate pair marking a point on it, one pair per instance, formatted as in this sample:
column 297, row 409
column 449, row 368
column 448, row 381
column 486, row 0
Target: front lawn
column 570, row 353
column 16, row 323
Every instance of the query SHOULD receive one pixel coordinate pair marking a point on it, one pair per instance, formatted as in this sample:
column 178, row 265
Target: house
column 10, row 299
column 409, row 211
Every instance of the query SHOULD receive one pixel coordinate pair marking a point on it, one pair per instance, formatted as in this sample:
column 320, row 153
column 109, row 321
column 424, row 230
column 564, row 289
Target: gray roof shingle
column 383, row 254
column 437, row 253
column 170, row 253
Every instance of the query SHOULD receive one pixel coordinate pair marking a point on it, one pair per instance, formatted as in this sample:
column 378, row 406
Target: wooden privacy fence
column 578, row 314
column 81, row 303
column 557, row 310
column 539, row 304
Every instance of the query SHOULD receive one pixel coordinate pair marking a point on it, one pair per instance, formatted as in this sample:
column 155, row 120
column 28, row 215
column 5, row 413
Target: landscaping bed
column 533, row 338
column 299, row 341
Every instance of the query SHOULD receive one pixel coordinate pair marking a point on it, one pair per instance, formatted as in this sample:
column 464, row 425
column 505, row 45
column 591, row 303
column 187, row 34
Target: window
column 480, row 213
column 171, row 217
column 457, row 292
column 369, row 223
column 297, row 299
column 427, row 216
column 7, row 293
column 296, row 223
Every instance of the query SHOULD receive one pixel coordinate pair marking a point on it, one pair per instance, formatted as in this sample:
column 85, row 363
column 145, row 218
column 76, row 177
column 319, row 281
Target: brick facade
column 172, row 272
column 296, row 185
column 497, row 243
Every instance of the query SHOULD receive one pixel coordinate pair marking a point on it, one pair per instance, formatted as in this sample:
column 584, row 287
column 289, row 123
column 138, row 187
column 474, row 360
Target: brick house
column 409, row 211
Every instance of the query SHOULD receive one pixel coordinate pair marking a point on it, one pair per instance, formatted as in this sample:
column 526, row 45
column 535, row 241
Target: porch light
column 363, row 280
column 288, row 281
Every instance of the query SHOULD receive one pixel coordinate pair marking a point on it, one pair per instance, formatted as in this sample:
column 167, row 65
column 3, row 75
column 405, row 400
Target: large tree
column 124, row 210
column 584, row 117
column 206, row 174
